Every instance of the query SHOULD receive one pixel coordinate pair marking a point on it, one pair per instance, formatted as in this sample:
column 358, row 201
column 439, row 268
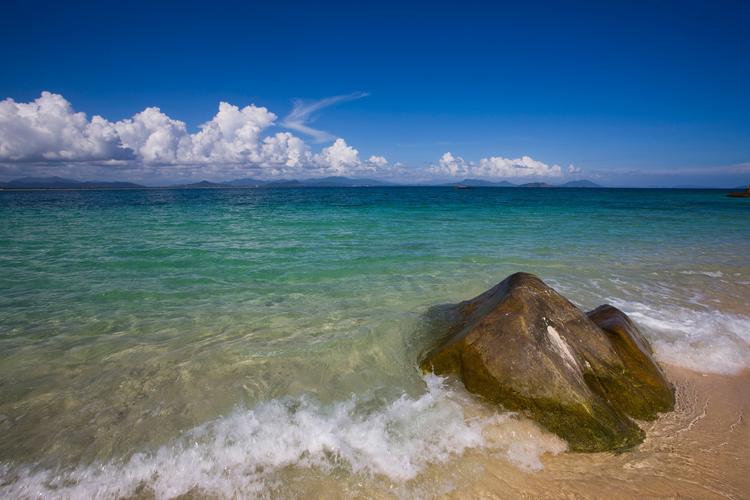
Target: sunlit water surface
column 235, row 342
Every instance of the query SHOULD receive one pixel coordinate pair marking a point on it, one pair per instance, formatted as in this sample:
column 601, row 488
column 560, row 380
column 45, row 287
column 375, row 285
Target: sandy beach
column 698, row 451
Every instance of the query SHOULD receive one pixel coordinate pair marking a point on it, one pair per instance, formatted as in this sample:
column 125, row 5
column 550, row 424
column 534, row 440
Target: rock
column 523, row 345
column 644, row 390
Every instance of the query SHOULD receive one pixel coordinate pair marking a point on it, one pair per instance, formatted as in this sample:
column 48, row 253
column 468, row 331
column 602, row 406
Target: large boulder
column 523, row 345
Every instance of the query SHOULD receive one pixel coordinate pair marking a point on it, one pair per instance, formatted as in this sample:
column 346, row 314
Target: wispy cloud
column 303, row 112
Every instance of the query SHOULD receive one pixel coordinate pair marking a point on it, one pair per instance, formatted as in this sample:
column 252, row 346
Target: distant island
column 26, row 183
column 62, row 183
column 483, row 183
column 52, row 183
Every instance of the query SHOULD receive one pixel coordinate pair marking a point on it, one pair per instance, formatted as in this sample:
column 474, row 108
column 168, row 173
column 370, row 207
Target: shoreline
column 698, row 451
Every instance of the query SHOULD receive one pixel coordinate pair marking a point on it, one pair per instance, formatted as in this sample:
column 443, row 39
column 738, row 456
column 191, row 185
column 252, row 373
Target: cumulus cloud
column 49, row 131
column 48, row 134
column 154, row 137
column 495, row 166
column 284, row 149
column 451, row 165
column 338, row 158
column 232, row 136
column 377, row 161
column 304, row 112
column 342, row 159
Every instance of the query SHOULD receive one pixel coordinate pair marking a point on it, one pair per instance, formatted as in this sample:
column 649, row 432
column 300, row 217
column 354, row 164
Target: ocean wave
column 707, row 341
column 241, row 454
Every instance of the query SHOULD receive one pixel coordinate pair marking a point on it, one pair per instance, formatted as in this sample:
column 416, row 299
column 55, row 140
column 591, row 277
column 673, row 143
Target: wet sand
column 702, row 450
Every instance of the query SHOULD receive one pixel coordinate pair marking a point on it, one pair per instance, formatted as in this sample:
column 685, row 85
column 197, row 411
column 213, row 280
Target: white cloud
column 338, row 158
column 451, row 165
column 232, row 136
column 49, row 131
column 342, row 159
column 495, row 166
column 284, row 149
column 154, row 137
column 303, row 112
column 377, row 161
column 519, row 167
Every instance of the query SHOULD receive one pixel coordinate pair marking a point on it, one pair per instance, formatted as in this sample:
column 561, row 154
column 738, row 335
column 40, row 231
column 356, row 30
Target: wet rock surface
column 526, row 347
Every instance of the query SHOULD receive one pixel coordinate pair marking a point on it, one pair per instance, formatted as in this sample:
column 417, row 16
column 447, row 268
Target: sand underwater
column 264, row 343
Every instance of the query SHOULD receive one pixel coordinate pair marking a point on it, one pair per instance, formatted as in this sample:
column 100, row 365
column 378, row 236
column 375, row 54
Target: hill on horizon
column 581, row 184
column 55, row 182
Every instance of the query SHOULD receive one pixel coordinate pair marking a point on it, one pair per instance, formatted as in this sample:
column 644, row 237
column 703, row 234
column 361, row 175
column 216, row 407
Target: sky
column 621, row 93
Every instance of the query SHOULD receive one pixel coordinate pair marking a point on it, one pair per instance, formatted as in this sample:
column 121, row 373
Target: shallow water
column 252, row 341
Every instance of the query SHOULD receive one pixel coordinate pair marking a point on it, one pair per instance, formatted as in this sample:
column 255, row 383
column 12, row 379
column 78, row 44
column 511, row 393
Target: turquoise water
column 226, row 336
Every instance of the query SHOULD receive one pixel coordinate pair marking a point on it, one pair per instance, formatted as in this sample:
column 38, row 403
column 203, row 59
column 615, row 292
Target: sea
column 234, row 343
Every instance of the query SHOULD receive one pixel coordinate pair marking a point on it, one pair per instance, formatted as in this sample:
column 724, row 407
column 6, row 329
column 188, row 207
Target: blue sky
column 652, row 93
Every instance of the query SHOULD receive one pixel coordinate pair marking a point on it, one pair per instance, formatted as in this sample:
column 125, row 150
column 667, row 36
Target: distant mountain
column 484, row 183
column 62, row 183
column 108, row 185
column 40, row 182
column 580, row 184
column 344, row 182
column 201, row 185
column 322, row 182
column 293, row 183
column 480, row 183
column 246, row 182
column 335, row 181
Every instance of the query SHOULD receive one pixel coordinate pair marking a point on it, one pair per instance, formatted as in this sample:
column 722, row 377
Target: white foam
column 239, row 455
column 708, row 341
column 710, row 274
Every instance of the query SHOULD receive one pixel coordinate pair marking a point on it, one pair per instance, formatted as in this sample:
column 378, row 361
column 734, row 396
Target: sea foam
column 241, row 454
column 703, row 340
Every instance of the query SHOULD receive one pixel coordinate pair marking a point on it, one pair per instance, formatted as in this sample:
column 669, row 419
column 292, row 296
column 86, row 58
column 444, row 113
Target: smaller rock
column 643, row 391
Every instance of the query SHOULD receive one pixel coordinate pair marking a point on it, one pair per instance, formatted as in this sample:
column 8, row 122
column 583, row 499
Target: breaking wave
column 707, row 341
column 241, row 454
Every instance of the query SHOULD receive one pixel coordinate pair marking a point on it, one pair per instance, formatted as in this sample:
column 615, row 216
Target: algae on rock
column 523, row 345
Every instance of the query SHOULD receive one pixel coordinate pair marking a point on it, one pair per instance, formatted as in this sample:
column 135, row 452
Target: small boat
column 461, row 186
column 740, row 194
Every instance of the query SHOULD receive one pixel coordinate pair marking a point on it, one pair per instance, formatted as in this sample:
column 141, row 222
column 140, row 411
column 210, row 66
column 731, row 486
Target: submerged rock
column 523, row 345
